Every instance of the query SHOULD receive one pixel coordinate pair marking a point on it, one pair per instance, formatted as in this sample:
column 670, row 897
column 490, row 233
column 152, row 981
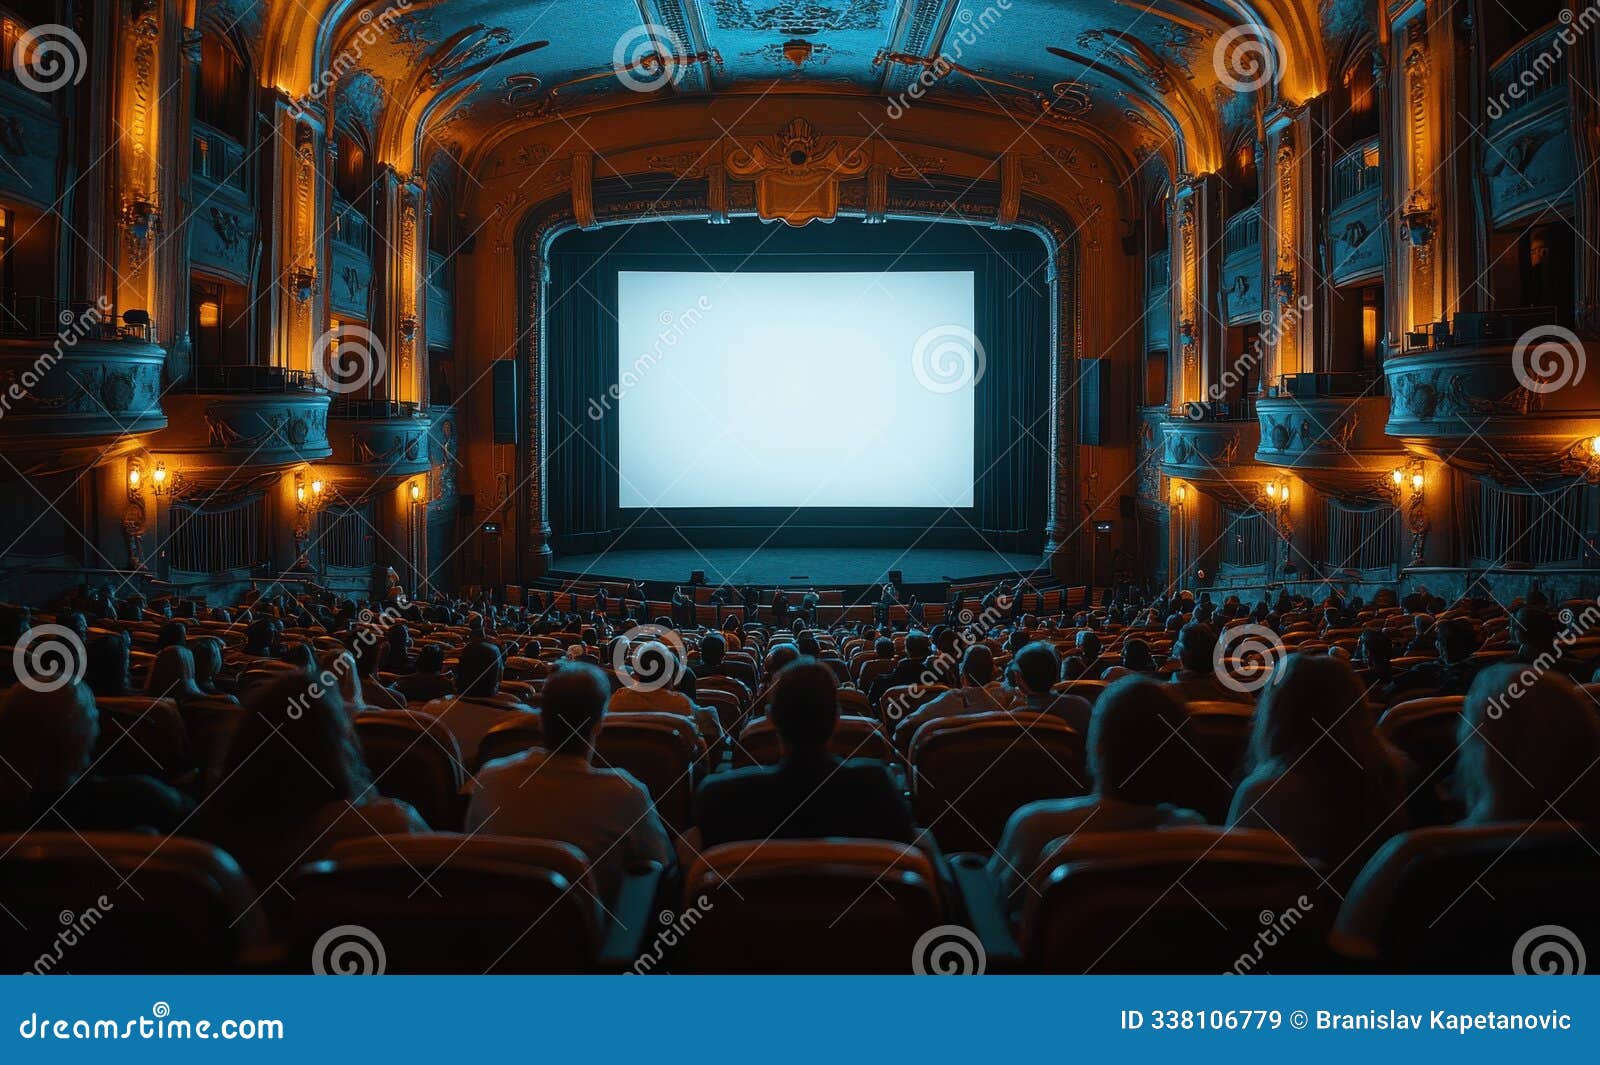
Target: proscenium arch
column 542, row 223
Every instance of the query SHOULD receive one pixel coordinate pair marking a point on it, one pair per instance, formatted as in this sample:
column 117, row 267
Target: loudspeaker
column 1092, row 402
column 897, row 578
column 697, row 577
column 504, row 386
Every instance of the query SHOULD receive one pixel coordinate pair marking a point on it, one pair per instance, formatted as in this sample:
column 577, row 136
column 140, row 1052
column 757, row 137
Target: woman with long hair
column 172, row 676
column 1528, row 751
column 1319, row 774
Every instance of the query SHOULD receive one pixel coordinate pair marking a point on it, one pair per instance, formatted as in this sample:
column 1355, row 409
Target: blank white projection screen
column 796, row 389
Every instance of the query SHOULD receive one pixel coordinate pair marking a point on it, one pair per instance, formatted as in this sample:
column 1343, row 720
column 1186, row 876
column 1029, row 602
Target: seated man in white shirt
column 1033, row 672
column 649, row 671
column 479, row 704
column 557, row 793
column 978, row 694
column 1138, row 760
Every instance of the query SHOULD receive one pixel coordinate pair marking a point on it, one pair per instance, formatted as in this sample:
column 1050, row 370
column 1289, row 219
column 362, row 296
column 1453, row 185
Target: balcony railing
column 1242, row 232
column 41, row 318
column 1241, row 409
column 220, row 159
column 237, row 379
column 354, row 409
column 1536, row 66
column 1157, row 274
column 351, row 227
column 1356, row 171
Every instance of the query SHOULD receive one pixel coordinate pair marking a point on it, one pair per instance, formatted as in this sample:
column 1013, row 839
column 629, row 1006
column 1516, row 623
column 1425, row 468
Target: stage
column 802, row 566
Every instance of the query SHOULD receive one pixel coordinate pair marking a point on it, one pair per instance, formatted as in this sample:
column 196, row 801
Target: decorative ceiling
column 1146, row 76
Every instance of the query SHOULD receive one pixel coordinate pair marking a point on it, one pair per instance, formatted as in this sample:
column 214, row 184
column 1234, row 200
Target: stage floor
column 830, row 566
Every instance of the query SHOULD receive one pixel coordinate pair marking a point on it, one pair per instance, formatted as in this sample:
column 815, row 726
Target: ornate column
column 1186, row 304
column 1416, row 190
column 1288, row 225
column 1062, row 525
column 1585, row 67
column 293, row 214
column 398, row 276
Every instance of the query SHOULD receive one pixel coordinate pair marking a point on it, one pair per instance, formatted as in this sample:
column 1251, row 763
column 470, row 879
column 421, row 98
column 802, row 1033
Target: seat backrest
column 661, row 751
column 141, row 734
column 1220, row 733
column 1425, row 729
column 123, row 902
column 1177, row 900
column 447, row 904
column 854, row 737
column 1462, row 898
column 415, row 758
column 807, row 906
column 902, row 700
column 729, row 706
column 969, row 773
column 1087, row 687
column 510, row 737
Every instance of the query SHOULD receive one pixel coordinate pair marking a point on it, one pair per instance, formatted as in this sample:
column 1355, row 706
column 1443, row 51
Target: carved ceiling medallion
column 796, row 172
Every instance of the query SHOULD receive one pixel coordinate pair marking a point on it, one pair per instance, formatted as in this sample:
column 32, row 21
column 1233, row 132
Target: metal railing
column 44, row 317
column 251, row 379
column 1157, row 274
column 1356, row 171
column 356, row 409
column 351, row 227
column 1242, row 232
column 1534, row 67
column 219, row 159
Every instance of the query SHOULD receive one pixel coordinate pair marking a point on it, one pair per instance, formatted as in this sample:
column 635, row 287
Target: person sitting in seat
column 908, row 670
column 810, row 793
column 479, row 704
column 107, row 669
column 208, row 666
column 47, row 740
column 1033, row 673
column 558, row 793
column 977, row 695
column 366, row 649
column 430, row 680
column 1528, row 752
column 1080, row 664
column 1319, row 774
column 172, row 676
column 1136, row 657
column 657, row 681
column 1533, row 630
column 1196, row 680
column 1453, row 671
column 1137, row 758
column 294, row 783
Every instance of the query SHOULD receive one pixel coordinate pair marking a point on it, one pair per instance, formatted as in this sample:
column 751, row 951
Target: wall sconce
column 158, row 479
column 303, row 283
column 1180, row 494
column 1417, row 481
column 1417, row 520
column 135, row 476
column 141, row 219
column 1417, row 217
column 408, row 327
column 308, row 492
column 416, row 491
column 1283, row 287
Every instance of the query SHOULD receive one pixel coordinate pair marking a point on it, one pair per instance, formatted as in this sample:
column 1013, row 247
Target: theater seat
column 807, row 906
column 970, row 773
column 1459, row 898
column 1425, row 729
column 509, row 738
column 457, row 904
column 415, row 758
column 185, row 906
column 901, row 701
column 142, row 734
column 1181, row 900
column 855, row 737
column 661, row 751
column 1220, row 733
